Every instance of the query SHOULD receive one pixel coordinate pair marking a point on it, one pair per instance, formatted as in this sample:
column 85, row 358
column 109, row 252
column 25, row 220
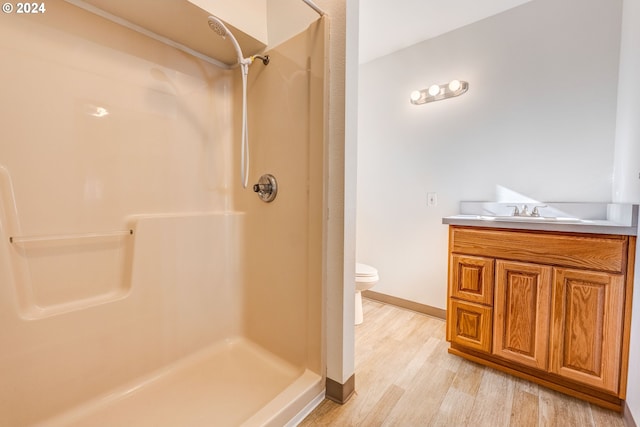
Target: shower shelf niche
column 45, row 238
column 55, row 274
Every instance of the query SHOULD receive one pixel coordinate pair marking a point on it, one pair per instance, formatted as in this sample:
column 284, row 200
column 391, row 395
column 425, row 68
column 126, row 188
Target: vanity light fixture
column 438, row 92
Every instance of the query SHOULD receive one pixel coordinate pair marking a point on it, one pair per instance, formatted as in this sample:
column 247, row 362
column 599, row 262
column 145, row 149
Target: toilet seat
column 366, row 278
column 366, row 274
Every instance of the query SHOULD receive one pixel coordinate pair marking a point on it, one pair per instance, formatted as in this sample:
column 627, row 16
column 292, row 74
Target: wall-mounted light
column 438, row 92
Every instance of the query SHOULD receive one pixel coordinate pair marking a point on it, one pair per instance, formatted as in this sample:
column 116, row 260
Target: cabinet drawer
column 472, row 279
column 597, row 252
column 469, row 325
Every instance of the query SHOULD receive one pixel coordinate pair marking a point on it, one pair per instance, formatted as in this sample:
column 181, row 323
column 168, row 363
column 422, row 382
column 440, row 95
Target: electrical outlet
column 432, row 199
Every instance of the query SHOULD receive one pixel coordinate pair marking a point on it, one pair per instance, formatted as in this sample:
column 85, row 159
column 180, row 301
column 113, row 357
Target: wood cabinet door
column 469, row 324
column 586, row 331
column 471, row 278
column 521, row 313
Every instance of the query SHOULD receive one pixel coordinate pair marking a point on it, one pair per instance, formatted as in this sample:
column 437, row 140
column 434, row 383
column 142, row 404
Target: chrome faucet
column 536, row 212
column 525, row 210
column 516, row 211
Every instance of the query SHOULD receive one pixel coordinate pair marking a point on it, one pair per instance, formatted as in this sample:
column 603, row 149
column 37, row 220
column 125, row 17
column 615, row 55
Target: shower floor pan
column 233, row 383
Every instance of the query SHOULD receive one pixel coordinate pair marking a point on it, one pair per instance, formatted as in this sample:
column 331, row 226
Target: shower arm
column 265, row 59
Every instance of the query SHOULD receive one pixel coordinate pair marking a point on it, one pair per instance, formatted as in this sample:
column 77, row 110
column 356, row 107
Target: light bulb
column 454, row 85
column 434, row 90
column 415, row 95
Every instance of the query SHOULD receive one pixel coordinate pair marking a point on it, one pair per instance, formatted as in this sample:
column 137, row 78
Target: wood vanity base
column 550, row 307
column 576, row 390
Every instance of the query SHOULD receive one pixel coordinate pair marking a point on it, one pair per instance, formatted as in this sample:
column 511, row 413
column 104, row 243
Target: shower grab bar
column 28, row 239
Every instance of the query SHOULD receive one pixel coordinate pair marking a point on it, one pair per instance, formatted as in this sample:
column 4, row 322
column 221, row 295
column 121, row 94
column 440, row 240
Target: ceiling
column 387, row 26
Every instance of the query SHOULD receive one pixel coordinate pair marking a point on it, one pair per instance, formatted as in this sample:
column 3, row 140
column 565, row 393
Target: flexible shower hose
column 244, row 161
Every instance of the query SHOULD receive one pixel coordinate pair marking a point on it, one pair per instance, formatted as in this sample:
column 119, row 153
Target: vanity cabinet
column 550, row 307
column 522, row 313
column 471, row 301
column 587, row 327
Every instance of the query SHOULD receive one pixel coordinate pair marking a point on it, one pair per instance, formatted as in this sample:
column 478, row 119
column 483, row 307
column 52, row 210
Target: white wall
column 626, row 182
column 339, row 239
column 538, row 123
column 626, row 185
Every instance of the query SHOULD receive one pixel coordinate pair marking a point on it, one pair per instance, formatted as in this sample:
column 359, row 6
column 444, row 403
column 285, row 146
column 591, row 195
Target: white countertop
column 593, row 218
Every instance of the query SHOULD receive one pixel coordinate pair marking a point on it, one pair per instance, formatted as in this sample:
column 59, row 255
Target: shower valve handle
column 257, row 188
column 267, row 188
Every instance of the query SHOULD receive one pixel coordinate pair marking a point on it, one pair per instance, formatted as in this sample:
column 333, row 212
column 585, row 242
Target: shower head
column 220, row 29
column 217, row 26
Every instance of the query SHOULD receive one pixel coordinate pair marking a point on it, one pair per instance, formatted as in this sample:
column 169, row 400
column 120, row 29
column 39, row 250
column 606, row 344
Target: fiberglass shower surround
column 131, row 277
column 221, row 29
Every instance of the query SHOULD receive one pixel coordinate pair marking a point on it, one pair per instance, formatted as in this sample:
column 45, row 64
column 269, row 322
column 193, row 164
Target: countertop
column 592, row 218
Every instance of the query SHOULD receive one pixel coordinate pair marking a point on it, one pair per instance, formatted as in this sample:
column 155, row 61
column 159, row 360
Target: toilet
column 366, row 277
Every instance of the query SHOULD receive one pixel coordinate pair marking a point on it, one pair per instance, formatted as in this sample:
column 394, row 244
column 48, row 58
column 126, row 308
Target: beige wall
column 286, row 18
column 84, row 309
column 163, row 163
column 283, row 239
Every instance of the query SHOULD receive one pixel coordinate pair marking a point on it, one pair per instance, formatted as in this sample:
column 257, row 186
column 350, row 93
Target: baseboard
column 340, row 393
column 409, row 305
column 627, row 417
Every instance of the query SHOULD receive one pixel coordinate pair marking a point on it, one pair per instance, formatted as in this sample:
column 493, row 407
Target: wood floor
column 405, row 377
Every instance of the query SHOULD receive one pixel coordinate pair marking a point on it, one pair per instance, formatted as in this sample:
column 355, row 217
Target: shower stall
column 140, row 284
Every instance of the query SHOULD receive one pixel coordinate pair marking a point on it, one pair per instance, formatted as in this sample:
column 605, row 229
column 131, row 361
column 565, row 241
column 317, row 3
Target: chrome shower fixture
column 267, row 188
column 265, row 59
column 216, row 25
column 438, row 92
column 220, row 29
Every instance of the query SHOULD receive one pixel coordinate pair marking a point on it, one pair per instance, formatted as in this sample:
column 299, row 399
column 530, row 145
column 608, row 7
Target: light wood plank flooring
column 405, row 377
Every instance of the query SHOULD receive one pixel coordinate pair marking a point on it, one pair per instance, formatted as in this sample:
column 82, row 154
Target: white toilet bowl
column 366, row 277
